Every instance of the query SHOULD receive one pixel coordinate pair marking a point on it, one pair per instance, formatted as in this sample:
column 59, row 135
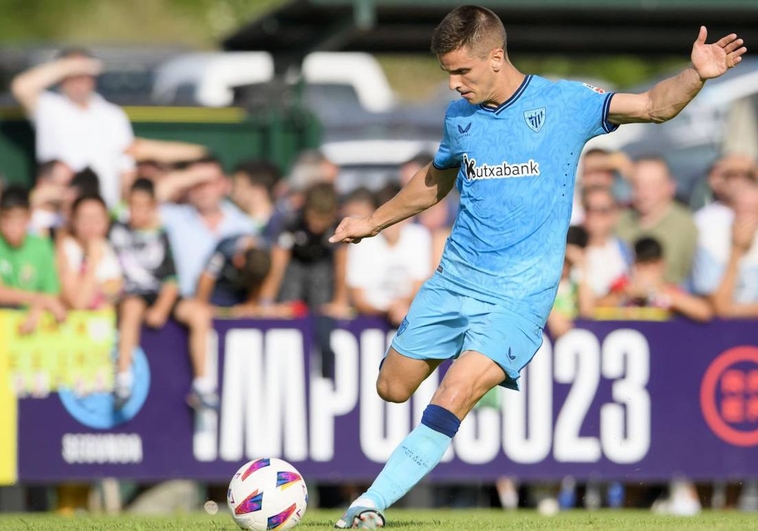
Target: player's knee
column 391, row 392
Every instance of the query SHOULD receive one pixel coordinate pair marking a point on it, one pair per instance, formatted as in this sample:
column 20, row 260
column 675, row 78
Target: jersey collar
column 510, row 101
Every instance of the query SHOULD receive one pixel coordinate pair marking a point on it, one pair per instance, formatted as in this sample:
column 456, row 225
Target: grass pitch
column 438, row 520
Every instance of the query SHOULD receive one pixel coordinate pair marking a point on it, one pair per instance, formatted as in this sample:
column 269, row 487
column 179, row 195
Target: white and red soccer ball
column 267, row 494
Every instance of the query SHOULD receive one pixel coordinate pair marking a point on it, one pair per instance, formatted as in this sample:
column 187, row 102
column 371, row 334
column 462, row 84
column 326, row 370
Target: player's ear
column 497, row 59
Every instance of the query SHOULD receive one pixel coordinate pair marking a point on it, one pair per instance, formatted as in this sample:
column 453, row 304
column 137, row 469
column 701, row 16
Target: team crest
column 535, row 119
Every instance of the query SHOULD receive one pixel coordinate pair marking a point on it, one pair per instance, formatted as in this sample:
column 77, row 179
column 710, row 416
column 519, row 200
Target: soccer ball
column 267, row 494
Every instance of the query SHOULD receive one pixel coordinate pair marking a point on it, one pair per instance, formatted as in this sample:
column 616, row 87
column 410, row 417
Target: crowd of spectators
column 160, row 230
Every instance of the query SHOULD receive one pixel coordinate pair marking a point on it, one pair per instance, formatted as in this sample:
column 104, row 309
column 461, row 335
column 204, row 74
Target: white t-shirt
column 606, row 264
column 385, row 272
column 94, row 137
column 714, row 247
column 108, row 268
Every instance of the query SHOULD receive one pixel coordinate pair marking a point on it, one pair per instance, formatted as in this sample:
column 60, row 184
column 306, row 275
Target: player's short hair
column 473, row 27
column 14, row 197
column 143, row 185
column 576, row 235
column 647, row 250
column 257, row 267
column 321, row 198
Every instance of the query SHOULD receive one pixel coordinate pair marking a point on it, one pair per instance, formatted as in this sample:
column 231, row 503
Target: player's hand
column 713, row 60
column 154, row 318
column 353, row 230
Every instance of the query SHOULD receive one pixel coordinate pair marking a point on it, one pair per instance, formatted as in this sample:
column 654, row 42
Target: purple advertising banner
column 636, row 401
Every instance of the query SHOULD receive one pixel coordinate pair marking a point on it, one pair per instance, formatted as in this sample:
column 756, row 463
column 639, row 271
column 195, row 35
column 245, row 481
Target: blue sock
column 419, row 452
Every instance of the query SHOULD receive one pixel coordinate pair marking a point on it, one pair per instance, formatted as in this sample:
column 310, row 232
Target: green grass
column 478, row 520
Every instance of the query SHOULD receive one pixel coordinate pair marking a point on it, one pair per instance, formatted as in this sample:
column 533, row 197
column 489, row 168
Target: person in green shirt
column 28, row 277
column 655, row 213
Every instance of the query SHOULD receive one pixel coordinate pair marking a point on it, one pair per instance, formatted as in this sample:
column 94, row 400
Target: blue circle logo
column 96, row 410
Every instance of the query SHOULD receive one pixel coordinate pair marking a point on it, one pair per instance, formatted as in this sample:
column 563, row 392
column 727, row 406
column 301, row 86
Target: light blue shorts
column 441, row 324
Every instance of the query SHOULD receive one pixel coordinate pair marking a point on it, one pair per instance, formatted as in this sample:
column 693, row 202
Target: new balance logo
column 504, row 170
column 464, row 130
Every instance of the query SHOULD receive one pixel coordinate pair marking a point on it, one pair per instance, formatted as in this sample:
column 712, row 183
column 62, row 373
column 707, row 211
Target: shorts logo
column 535, row 119
column 729, row 396
column 504, row 170
column 511, row 356
column 403, row 326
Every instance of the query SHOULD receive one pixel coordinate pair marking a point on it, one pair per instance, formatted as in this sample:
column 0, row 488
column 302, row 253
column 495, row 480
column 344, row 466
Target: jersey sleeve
column 223, row 252
column 446, row 158
column 588, row 107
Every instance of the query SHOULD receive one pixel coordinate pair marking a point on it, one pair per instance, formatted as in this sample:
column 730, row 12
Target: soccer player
column 511, row 147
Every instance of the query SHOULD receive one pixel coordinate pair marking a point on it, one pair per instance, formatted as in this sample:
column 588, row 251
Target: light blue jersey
column 516, row 180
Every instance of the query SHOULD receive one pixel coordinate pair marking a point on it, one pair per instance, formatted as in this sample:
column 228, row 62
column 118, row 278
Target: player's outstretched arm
column 425, row 189
column 667, row 98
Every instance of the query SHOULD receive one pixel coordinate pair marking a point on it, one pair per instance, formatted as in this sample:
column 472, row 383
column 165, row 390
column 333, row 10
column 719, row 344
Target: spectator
column 385, row 272
column 304, row 265
column 150, row 289
column 84, row 183
column 646, row 286
column 598, row 168
column 655, row 213
column 358, row 203
column 310, row 168
column 232, row 280
column 724, row 172
column 195, row 229
column 726, row 263
column 89, row 270
column 77, row 126
column 27, row 276
column 252, row 191
column 52, row 180
column 574, row 297
column 607, row 257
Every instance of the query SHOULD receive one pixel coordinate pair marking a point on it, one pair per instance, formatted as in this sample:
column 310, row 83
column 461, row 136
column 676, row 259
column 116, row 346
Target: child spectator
column 646, row 286
column 234, row 275
column 89, row 270
column 150, row 289
column 27, row 276
column 304, row 265
column 358, row 203
column 385, row 272
column 574, row 297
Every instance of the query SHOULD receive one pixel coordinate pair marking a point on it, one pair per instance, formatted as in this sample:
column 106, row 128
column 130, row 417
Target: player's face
column 472, row 75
